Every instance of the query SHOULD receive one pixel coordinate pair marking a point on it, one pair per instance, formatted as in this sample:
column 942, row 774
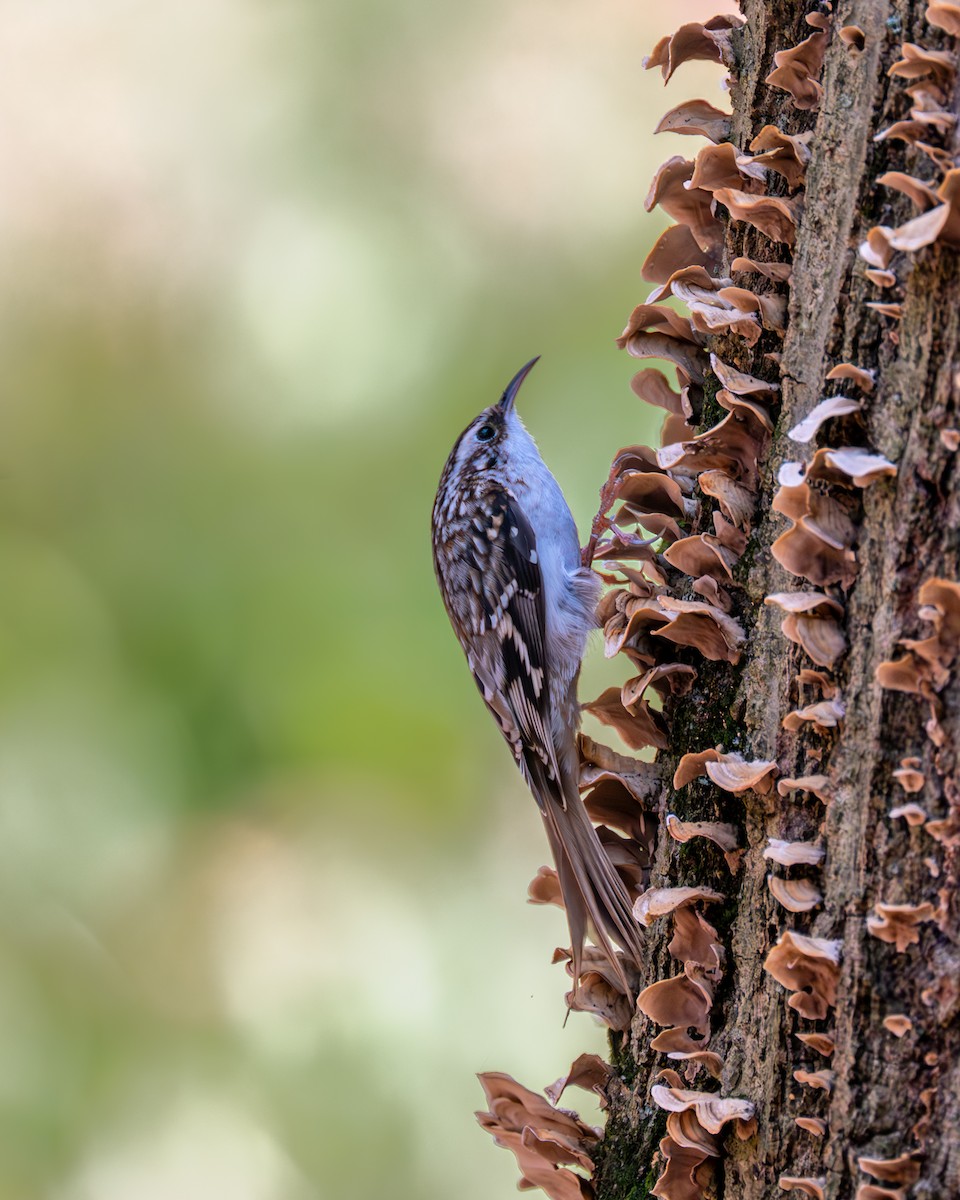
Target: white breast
column 570, row 593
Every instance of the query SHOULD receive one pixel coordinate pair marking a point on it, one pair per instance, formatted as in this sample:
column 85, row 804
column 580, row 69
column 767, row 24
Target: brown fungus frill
column 862, row 377
column 818, row 1080
column 787, row 154
column 804, row 1183
column 731, row 772
column 834, row 406
column 709, row 41
column 897, row 923
column 823, row 1043
column 938, row 223
column 926, row 667
column 898, row 1024
column 817, row 785
column 672, row 190
column 812, row 621
column 795, row 895
column 818, row 544
column 773, row 216
column 797, row 70
column 696, row 117
column 545, row 1140
column 712, row 1110
column 680, row 1002
column 589, row 1072
column 946, row 17
column 790, row 854
column 824, row 714
column 810, row 968
column 905, row 1169
column 658, row 902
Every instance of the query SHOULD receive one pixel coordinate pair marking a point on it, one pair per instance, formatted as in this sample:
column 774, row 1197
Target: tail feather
column 592, row 889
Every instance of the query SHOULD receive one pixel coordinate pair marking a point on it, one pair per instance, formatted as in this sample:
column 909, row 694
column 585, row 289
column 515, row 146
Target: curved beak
column 505, row 403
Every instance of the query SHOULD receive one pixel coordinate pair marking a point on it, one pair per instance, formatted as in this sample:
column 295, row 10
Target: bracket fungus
column 787, row 154
column 849, row 466
column 908, row 775
column 589, row 1072
column 733, row 774
column 676, row 248
column 913, row 814
column 709, row 41
column 926, row 666
column 834, row 406
column 818, row 1080
column 905, row 1169
column 712, row 1110
column 817, row 785
column 861, row 377
column 825, row 714
column 545, row 1140
column 544, row 888
column 797, row 69
column 657, row 902
column 678, row 1002
column 691, row 623
column 672, row 190
column 898, row 1024
column 773, row 216
column 639, row 725
column 806, row 1184
column 599, row 990
column 809, row 967
column 696, row 117
column 853, row 38
column 946, row 17
column 817, row 546
column 823, row 1043
column 795, row 895
column 939, row 223
column 897, row 923
column 812, row 622
column 686, row 1171
column 790, row 854
column 721, row 834
column 779, row 272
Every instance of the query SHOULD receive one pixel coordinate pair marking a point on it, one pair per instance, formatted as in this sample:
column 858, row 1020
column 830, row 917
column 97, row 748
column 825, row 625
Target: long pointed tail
column 592, row 889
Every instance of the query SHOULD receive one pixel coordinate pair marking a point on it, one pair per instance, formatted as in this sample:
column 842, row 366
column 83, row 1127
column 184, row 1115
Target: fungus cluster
column 547, row 1141
column 673, row 523
column 925, row 668
column 708, row 474
column 928, row 126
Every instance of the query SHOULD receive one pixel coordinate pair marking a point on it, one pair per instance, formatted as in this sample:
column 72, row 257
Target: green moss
column 624, row 1176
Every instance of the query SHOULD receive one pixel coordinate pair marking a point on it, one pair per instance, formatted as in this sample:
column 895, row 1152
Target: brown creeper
column 507, row 558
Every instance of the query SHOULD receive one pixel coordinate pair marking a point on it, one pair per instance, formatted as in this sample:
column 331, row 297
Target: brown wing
column 505, row 645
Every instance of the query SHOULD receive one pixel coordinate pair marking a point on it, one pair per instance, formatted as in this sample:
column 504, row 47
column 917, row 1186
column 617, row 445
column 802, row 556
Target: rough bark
column 890, row 1096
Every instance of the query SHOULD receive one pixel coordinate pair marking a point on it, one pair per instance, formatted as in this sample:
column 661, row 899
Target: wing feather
column 505, row 649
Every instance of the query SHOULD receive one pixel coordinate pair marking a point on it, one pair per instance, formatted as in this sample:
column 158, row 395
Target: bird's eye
column 485, row 433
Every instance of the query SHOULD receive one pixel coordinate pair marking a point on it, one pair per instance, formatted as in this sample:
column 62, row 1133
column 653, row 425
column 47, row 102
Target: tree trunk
column 878, row 988
column 888, row 1096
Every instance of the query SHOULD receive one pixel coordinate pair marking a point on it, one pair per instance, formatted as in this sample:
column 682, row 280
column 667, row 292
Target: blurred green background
column 263, row 857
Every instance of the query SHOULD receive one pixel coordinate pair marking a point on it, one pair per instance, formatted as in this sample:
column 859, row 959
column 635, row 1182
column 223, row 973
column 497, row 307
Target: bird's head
column 494, row 434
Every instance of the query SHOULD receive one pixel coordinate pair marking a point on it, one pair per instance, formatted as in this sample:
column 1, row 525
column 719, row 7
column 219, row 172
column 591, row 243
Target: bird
column 507, row 559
